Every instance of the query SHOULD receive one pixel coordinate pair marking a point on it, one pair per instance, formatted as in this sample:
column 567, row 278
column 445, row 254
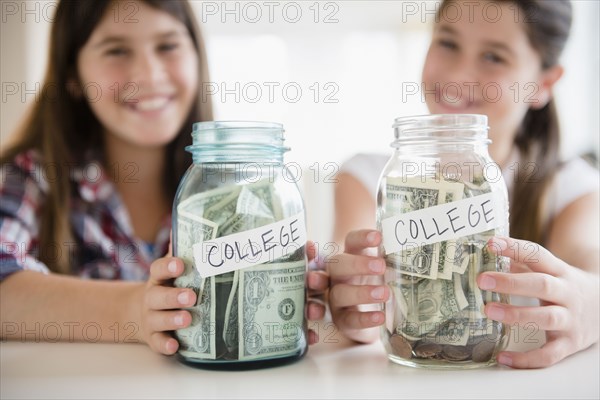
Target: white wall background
column 358, row 53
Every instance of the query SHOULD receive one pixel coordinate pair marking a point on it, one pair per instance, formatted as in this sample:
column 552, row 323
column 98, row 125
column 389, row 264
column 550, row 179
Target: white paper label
column 248, row 248
column 443, row 222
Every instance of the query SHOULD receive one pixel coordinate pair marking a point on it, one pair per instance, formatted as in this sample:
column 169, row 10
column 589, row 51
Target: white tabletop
column 329, row 370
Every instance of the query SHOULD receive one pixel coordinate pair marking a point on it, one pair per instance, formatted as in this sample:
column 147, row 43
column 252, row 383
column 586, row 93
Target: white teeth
column 151, row 104
column 457, row 105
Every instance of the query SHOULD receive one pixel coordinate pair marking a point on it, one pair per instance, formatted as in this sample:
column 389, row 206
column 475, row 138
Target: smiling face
column 480, row 65
column 140, row 77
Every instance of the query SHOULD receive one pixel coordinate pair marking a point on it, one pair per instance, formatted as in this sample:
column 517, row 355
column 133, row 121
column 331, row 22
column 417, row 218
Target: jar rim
column 258, row 133
column 452, row 121
column 442, row 128
column 235, row 124
column 237, row 141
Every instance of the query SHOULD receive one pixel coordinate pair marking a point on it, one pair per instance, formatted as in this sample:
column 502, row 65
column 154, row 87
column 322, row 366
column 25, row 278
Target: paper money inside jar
column 440, row 199
column 238, row 225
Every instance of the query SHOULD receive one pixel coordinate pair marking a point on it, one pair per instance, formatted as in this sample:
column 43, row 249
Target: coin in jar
column 455, row 353
column 483, row 351
column 400, row 346
column 428, row 350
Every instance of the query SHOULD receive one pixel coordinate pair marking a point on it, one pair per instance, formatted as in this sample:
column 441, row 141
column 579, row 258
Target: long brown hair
column 547, row 24
column 61, row 127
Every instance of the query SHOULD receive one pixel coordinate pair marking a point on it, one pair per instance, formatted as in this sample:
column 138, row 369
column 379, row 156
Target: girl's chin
column 155, row 137
column 155, row 142
column 443, row 107
column 148, row 141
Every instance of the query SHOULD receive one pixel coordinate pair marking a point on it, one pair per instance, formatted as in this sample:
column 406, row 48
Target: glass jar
column 238, row 225
column 440, row 199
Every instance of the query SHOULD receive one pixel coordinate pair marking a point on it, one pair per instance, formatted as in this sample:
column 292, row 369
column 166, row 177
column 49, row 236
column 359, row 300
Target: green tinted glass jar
column 238, row 225
column 440, row 199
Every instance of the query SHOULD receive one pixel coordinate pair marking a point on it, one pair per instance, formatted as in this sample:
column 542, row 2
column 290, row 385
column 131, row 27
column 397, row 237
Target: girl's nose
column 460, row 80
column 463, row 71
column 148, row 69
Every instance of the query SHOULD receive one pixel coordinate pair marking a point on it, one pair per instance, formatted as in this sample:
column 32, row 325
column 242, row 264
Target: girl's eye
column 117, row 52
column 448, row 44
column 166, row 47
column 493, row 58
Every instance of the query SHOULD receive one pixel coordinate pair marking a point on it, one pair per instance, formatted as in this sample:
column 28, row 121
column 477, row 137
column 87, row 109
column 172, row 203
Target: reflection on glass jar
column 238, row 225
column 440, row 199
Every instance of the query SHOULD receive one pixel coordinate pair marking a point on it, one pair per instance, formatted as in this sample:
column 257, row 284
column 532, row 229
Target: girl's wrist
column 132, row 312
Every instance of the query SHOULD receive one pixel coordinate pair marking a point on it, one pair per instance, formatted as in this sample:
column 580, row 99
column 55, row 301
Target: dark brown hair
column 547, row 24
column 62, row 127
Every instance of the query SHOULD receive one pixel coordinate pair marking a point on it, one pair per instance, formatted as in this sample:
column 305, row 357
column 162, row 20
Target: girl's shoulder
column 23, row 191
column 366, row 167
column 26, row 168
column 25, row 160
column 574, row 179
column 373, row 160
column 29, row 173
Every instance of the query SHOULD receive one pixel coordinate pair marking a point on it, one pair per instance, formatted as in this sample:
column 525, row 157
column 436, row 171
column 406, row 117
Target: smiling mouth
column 457, row 105
column 149, row 105
column 460, row 103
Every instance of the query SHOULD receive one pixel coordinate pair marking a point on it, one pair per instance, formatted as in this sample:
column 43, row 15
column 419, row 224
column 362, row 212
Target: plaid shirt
column 104, row 245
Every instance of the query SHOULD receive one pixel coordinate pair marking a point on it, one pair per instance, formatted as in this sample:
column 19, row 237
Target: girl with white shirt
column 554, row 204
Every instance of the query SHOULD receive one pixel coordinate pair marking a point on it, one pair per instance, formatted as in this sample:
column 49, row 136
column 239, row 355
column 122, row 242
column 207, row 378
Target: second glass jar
column 440, row 199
